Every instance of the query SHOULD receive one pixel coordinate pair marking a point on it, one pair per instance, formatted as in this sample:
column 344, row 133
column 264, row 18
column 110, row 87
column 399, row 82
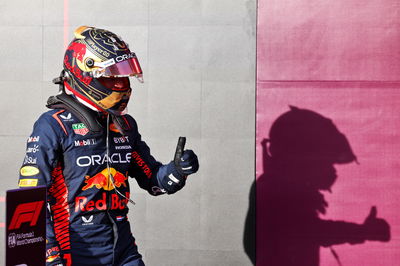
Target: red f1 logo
column 26, row 212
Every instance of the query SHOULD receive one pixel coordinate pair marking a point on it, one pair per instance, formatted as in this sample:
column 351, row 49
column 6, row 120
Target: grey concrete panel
column 176, row 12
column 53, row 13
column 19, row 13
column 228, row 167
column 222, row 221
column 223, row 257
column 137, row 216
column 175, row 108
column 169, row 257
column 174, row 53
column 21, row 53
column 138, row 107
column 53, row 51
column 23, row 106
column 227, row 12
column 173, row 221
column 228, row 53
column 175, row 81
column 48, row 89
column 228, row 110
column 108, row 13
column 172, row 257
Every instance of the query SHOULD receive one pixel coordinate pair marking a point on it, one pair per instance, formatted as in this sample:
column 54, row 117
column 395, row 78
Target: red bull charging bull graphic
column 102, row 180
column 76, row 50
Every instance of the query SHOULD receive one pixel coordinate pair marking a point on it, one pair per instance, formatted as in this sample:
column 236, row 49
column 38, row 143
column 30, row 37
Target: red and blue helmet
column 96, row 55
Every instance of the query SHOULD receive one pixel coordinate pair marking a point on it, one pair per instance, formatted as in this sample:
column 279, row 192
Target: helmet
column 93, row 59
column 302, row 134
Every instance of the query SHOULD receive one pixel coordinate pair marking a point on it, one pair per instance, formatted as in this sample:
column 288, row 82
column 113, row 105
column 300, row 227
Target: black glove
column 176, row 174
column 188, row 164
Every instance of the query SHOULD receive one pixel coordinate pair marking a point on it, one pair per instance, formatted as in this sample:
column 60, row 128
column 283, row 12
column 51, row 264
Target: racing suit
column 87, row 209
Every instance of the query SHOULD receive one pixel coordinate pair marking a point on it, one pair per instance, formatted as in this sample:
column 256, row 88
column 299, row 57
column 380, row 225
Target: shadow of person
column 299, row 159
column 249, row 236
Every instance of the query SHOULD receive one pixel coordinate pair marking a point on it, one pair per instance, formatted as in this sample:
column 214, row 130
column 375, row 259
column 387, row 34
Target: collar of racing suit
column 89, row 117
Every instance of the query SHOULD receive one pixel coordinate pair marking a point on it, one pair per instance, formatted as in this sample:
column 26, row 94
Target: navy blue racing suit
column 87, row 221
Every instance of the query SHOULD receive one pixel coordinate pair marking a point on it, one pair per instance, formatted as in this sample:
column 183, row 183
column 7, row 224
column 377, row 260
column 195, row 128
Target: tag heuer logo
column 80, row 129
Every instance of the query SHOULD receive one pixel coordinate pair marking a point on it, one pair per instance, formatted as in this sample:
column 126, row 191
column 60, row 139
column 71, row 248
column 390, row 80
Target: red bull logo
column 116, row 203
column 78, row 52
column 103, row 180
column 78, row 49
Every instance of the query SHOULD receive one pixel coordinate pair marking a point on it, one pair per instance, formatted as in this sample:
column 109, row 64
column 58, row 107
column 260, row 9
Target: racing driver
column 84, row 149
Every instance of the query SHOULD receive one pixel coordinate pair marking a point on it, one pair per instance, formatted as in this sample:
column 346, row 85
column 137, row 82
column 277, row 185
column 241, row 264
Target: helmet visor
column 126, row 68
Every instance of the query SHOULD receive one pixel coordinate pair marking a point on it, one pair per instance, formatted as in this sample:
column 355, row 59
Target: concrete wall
column 198, row 58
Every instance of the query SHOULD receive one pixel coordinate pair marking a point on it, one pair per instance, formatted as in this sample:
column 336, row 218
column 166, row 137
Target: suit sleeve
column 150, row 174
column 37, row 169
column 144, row 167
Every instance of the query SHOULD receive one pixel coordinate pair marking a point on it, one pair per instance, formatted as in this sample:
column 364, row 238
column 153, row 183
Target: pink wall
column 328, row 40
column 340, row 59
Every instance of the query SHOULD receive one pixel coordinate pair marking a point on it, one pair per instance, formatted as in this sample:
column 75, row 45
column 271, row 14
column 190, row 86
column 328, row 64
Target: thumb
column 372, row 213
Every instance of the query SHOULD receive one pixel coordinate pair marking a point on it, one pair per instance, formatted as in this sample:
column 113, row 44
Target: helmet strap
column 86, row 116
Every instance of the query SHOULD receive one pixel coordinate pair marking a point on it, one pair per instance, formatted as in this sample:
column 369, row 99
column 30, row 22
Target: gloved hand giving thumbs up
column 185, row 163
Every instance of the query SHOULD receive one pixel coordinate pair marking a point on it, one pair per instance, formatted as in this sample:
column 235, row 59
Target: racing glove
column 174, row 177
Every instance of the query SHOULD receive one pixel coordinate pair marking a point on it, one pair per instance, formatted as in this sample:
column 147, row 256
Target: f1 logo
column 26, row 212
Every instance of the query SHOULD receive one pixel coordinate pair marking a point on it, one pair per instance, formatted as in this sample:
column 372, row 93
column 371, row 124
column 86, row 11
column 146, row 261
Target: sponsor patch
column 103, row 180
column 119, row 140
column 28, row 182
column 22, row 239
column 142, row 164
column 124, row 147
column 80, row 129
column 117, row 158
column 67, row 117
column 84, row 142
column 83, row 204
column 30, row 160
column 29, row 171
column 51, row 250
column 33, row 149
column 33, row 139
column 87, row 221
column 52, row 258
